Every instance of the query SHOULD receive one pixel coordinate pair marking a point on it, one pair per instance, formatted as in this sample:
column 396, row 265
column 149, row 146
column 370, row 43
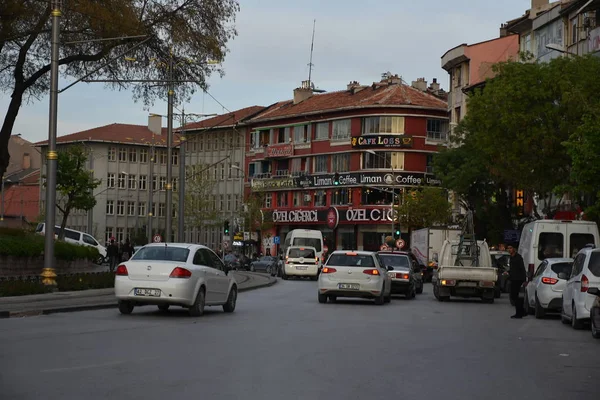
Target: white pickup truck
column 464, row 275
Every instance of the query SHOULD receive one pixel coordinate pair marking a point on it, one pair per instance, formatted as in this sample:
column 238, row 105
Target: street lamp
column 392, row 216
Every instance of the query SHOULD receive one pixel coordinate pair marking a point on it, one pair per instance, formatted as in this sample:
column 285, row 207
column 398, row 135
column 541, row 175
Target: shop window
column 347, row 241
column 341, row 197
column 282, row 199
column 320, row 198
column 377, row 125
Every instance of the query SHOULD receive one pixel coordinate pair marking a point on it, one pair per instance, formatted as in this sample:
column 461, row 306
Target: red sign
column 279, row 150
column 157, row 238
column 384, row 247
column 400, row 243
column 333, row 217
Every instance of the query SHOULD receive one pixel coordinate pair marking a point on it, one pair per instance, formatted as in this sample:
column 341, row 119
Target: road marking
column 91, row 366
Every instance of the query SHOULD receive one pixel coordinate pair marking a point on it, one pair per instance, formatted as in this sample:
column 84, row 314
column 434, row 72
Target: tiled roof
column 378, row 95
column 224, row 120
column 18, row 176
column 115, row 133
column 22, row 201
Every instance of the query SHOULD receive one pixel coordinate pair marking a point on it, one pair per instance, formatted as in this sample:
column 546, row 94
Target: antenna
column 310, row 64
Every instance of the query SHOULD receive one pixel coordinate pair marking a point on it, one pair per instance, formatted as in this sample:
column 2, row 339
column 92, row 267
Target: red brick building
column 379, row 139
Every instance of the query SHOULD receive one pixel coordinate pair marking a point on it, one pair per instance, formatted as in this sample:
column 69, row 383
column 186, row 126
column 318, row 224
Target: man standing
column 517, row 277
column 113, row 254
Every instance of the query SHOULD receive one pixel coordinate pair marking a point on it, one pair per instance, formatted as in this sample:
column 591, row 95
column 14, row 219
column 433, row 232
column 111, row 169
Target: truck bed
column 467, row 273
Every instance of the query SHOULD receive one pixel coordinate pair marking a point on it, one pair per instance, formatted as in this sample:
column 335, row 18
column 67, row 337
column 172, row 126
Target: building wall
column 23, row 155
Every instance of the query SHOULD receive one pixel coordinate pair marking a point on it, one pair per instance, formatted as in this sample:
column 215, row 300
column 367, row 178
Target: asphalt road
column 281, row 344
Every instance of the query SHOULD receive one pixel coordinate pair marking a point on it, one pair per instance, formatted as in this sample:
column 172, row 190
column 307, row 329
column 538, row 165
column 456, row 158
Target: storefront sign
column 369, row 178
column 333, row 218
column 273, row 183
column 295, row 216
column 382, row 141
column 279, row 150
column 238, row 243
column 368, row 215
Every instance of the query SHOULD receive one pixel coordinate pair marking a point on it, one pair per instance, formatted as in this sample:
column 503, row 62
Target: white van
column 76, row 237
column 305, row 237
column 301, row 261
column 549, row 238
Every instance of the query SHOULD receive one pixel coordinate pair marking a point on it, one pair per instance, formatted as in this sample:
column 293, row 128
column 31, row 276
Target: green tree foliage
column 192, row 32
column 199, row 201
column 74, row 184
column 424, row 208
column 254, row 219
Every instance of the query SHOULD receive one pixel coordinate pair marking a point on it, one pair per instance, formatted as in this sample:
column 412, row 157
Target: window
column 574, row 32
column 120, row 234
column 174, row 158
column 87, row 239
column 297, row 199
column 163, row 182
column 296, row 164
column 578, row 242
column 306, row 198
column 110, row 181
column 341, row 129
column 457, row 114
column 112, row 153
column 340, row 197
column 221, row 202
column 300, row 134
column 120, row 207
column 383, row 160
column 429, row 167
column 133, row 155
column 322, row 131
column 108, row 233
column 457, row 76
column 174, row 184
column 222, row 167
column 320, row 198
column 143, row 182
column 131, row 208
column 122, row 154
column 161, row 210
column 163, row 156
column 144, row 155
column 320, row 164
column 282, row 199
column 132, row 181
column 154, row 183
column 437, row 129
column 122, row 181
column 268, row 200
column 594, row 264
column 526, row 43
column 340, row 162
column 110, row 207
column 228, row 202
column 141, row 209
column 377, row 125
column 550, row 245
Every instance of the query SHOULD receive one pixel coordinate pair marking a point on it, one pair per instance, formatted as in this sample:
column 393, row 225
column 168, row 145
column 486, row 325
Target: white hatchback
column 585, row 274
column 544, row 292
column 354, row 274
column 175, row 274
column 301, row 261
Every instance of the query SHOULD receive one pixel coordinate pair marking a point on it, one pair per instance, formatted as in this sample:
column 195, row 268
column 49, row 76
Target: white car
column 577, row 303
column 175, row 274
column 544, row 292
column 301, row 261
column 354, row 274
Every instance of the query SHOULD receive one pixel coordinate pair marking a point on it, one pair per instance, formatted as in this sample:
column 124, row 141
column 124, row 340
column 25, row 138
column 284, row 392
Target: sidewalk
column 42, row 304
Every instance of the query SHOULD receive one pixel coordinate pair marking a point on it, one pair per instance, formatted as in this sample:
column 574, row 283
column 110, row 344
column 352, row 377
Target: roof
column 19, row 176
column 378, row 95
column 226, row 120
column 114, row 133
column 22, row 201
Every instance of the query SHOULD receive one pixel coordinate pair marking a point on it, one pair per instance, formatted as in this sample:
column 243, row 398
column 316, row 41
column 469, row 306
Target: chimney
column 435, row 86
column 420, row 84
column 302, row 93
column 538, row 4
column 26, row 161
column 155, row 123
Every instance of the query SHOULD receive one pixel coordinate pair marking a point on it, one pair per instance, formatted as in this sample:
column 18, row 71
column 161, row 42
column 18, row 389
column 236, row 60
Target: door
column 534, row 283
column 221, row 280
column 573, row 284
column 204, row 262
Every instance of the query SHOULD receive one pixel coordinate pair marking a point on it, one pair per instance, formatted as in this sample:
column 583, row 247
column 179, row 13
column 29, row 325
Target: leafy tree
column 199, row 201
column 254, row 219
column 190, row 31
column 74, row 184
column 424, row 208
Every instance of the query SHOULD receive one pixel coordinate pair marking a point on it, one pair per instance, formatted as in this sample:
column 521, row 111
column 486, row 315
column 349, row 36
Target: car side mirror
column 594, row 291
column 389, row 268
column 563, row 275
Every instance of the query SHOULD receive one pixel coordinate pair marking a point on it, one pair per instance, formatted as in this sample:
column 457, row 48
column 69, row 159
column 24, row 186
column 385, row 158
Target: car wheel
column 497, row 292
column 575, row 323
column 163, row 307
column 388, row 298
column 268, row 270
column 595, row 331
column 563, row 318
column 322, row 298
column 229, row 307
column 252, row 269
column 380, row 300
column 284, row 275
column 539, row 311
column 125, row 307
column 100, row 260
column 198, row 308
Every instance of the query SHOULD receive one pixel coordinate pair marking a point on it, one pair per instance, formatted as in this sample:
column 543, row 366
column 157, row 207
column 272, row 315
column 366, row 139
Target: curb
column 112, row 304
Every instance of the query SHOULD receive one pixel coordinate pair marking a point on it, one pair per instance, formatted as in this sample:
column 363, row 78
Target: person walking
column 127, row 250
column 517, row 276
column 112, row 252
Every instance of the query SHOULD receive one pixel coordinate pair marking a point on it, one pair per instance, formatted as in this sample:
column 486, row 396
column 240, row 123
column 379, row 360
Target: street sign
column 157, row 238
column 384, row 247
column 400, row 243
column 276, row 240
column 246, row 235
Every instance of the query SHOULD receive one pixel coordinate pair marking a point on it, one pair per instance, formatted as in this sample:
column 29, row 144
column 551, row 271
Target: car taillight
column 179, row 272
column 371, row 272
column 585, row 283
column 122, row 270
column 316, row 260
column 448, row 282
column 402, row 276
column 549, row 281
column 328, row 270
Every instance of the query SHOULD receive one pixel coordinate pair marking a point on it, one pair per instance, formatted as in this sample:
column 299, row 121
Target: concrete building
column 215, row 151
column 378, row 138
column 121, row 156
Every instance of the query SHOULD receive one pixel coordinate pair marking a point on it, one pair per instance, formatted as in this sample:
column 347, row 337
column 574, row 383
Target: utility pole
column 151, row 189
column 169, row 185
column 181, row 188
column 90, row 216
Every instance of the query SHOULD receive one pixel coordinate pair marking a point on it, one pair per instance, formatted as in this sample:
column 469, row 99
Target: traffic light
column 226, row 227
column 336, row 179
column 397, row 232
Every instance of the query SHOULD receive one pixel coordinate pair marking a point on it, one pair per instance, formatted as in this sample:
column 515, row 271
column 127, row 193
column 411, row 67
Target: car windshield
column 308, row 242
column 266, row 258
column 301, row 252
column 563, row 267
column 349, row 260
column 395, row 261
column 177, row 254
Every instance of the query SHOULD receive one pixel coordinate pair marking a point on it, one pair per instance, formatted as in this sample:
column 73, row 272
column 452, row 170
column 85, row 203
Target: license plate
column 351, row 286
column 301, row 268
column 467, row 284
column 147, row 292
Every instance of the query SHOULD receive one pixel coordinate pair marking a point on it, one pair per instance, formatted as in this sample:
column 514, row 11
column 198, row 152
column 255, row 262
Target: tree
column 74, row 184
column 423, row 208
column 199, row 200
column 254, row 218
column 190, row 32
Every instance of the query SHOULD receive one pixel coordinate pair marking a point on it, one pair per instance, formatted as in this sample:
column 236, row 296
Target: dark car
column 265, row 263
column 232, row 261
column 595, row 312
column 404, row 259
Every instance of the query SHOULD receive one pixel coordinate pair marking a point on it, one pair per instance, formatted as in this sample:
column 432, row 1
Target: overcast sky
column 354, row 40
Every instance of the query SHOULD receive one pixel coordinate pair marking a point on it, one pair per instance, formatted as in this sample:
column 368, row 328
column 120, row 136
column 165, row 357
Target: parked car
column 406, row 273
column 232, row 261
column 77, row 237
column 585, row 274
column 265, row 263
column 544, row 292
column 187, row 275
column 595, row 312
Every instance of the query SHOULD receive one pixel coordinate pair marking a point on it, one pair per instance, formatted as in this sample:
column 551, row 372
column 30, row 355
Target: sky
column 355, row 40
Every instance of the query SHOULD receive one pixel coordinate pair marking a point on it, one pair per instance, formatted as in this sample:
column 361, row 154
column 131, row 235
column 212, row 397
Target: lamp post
column 392, row 216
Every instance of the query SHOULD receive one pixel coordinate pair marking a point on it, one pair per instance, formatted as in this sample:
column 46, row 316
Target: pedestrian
column 112, row 252
column 517, row 276
column 127, row 250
